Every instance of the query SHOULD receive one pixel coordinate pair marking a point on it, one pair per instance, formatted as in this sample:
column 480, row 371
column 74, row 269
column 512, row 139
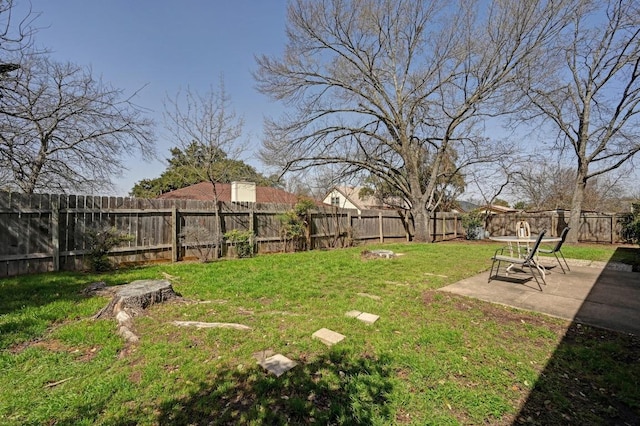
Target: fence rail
column 46, row 232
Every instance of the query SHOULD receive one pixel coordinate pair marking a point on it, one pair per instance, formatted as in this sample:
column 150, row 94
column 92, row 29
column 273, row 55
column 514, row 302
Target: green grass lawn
column 432, row 358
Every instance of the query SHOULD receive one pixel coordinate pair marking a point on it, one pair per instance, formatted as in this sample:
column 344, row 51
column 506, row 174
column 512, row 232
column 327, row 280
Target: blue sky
column 167, row 46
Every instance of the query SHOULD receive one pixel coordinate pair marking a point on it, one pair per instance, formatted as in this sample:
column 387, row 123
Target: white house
column 348, row 197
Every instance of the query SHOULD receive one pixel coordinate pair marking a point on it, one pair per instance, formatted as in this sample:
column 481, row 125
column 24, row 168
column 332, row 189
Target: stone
column 277, row 364
column 328, row 337
column 363, row 316
column 262, row 355
column 368, row 318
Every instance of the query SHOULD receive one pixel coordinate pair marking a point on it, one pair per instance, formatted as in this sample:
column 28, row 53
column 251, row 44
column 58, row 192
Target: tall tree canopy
column 590, row 92
column 188, row 166
column 393, row 87
column 61, row 129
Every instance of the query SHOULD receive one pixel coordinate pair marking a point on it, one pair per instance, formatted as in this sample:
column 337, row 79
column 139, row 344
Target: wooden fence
column 594, row 227
column 44, row 232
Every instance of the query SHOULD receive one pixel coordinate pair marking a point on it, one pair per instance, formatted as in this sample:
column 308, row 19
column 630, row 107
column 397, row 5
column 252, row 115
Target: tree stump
column 136, row 296
column 130, row 299
column 377, row 254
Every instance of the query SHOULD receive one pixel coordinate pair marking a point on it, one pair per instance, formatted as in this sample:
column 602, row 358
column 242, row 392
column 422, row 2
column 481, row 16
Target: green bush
column 294, row 224
column 473, row 224
column 101, row 241
column 631, row 224
column 242, row 241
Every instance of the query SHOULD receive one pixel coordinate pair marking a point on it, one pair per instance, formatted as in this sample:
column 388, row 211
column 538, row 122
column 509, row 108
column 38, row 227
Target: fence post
column 55, row 233
column 174, row 234
column 611, row 229
column 380, row 229
column 455, row 225
column 309, row 230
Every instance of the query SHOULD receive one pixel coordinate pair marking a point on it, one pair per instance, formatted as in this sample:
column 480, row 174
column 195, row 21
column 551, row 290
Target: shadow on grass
column 39, row 290
column 333, row 389
column 628, row 255
column 594, row 374
column 30, row 304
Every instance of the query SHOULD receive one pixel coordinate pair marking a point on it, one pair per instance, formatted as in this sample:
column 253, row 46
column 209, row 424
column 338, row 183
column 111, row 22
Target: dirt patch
column 135, row 377
column 83, row 354
column 403, row 417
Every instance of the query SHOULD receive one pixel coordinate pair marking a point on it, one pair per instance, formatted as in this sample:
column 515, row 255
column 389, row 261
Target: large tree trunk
column 422, row 225
column 576, row 207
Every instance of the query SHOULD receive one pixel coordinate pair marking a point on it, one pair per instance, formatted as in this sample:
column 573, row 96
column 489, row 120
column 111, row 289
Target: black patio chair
column 526, row 261
column 556, row 250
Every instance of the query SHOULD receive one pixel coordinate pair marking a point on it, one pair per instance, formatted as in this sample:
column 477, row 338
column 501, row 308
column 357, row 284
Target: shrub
column 631, row 224
column 101, row 241
column 294, row 224
column 473, row 224
column 242, row 241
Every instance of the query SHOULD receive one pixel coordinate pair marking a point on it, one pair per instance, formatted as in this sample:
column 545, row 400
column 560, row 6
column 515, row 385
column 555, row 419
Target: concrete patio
column 593, row 293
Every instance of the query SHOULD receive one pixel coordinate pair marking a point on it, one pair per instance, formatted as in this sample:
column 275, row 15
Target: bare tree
column 551, row 186
column 591, row 92
column 206, row 122
column 61, row 129
column 16, row 40
column 393, row 87
column 15, row 36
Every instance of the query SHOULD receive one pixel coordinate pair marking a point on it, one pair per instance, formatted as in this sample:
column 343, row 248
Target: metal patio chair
column 527, row 261
column 556, row 250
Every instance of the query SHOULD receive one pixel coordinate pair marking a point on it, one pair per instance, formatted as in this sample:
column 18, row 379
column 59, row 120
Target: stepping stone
column 363, row 316
column 262, row 355
column 370, row 296
column 368, row 318
column 328, row 337
column 277, row 364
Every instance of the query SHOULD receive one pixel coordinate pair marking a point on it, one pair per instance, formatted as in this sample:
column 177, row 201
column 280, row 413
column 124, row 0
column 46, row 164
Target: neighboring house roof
column 466, row 206
column 203, row 191
column 352, row 193
column 494, row 208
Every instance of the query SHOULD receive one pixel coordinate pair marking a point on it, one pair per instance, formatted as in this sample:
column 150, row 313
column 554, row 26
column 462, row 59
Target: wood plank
column 16, row 257
column 55, row 235
column 174, row 235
